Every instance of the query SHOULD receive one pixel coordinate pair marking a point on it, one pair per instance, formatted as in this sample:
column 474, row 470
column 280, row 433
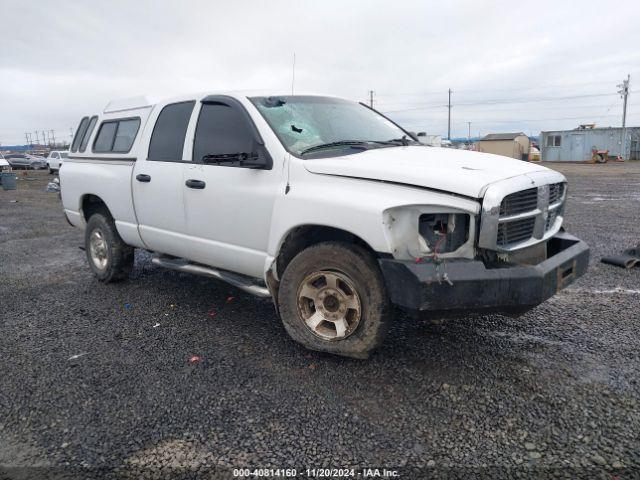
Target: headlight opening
column 444, row 232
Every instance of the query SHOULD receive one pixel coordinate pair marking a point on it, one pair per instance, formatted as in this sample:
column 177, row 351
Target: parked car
column 26, row 161
column 54, row 160
column 320, row 203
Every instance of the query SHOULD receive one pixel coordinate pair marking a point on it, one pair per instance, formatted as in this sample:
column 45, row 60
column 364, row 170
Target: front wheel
column 109, row 257
column 332, row 299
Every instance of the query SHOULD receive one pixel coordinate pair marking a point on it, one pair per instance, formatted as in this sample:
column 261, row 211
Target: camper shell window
column 116, row 136
column 82, row 128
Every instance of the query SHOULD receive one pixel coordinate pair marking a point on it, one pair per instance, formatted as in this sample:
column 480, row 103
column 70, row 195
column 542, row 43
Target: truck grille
column 551, row 219
column 515, row 231
column 556, row 191
column 528, row 214
column 519, row 202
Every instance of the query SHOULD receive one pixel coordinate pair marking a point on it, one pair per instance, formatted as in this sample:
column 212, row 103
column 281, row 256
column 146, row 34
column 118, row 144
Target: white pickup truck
column 321, row 203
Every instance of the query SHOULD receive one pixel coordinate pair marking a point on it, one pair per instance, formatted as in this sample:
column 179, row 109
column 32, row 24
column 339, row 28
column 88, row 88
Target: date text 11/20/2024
column 315, row 473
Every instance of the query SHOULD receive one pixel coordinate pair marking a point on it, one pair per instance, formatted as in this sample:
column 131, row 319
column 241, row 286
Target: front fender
column 354, row 205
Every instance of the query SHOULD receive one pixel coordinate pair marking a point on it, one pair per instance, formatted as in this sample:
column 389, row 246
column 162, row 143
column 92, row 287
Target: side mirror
column 422, row 134
column 260, row 157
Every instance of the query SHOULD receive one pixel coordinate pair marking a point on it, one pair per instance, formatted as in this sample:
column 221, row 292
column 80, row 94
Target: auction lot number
column 314, row 473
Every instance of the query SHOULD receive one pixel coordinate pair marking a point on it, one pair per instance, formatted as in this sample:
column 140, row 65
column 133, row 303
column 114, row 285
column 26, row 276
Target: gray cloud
column 61, row 60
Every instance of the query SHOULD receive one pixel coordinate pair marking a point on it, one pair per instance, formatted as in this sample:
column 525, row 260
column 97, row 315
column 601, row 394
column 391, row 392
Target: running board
column 240, row 281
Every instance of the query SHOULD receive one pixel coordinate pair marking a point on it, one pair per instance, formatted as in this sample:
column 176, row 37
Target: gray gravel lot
column 100, row 380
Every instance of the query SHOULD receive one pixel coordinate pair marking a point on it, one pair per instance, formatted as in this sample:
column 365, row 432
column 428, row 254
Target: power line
column 505, row 101
column 511, row 89
column 529, row 120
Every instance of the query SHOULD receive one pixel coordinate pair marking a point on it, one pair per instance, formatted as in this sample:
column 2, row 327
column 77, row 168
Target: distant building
column 431, row 140
column 514, row 145
column 577, row 145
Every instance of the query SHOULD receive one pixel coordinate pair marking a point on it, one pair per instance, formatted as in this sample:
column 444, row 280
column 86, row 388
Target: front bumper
column 470, row 285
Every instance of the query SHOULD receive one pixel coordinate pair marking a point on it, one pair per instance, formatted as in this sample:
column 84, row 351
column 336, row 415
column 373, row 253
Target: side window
column 169, row 132
column 79, row 133
column 222, row 130
column 87, row 134
column 106, row 134
column 554, row 141
column 116, row 136
column 125, row 135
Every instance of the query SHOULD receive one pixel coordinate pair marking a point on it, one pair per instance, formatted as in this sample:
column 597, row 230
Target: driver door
column 228, row 204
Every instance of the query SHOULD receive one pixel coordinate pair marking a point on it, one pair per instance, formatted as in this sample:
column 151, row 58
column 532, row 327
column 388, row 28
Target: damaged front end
column 511, row 256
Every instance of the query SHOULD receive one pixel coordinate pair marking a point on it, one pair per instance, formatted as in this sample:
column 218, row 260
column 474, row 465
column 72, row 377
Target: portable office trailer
column 577, row 145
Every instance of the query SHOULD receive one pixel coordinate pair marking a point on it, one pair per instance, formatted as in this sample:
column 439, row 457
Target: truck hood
column 456, row 171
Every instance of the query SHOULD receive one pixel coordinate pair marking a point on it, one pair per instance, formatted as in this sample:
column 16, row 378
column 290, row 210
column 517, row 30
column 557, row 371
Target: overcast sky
column 512, row 66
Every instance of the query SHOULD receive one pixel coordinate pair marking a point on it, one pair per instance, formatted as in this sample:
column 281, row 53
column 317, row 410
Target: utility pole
column 469, row 134
column 624, row 93
column 371, row 92
column 449, row 118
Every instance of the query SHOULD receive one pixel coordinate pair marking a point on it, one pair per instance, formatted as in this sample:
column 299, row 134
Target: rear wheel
column 109, row 257
column 332, row 299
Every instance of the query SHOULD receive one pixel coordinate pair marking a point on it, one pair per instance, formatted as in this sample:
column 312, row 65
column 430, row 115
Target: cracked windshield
column 305, row 123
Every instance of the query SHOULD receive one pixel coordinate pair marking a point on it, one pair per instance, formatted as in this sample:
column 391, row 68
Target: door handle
column 141, row 177
column 197, row 184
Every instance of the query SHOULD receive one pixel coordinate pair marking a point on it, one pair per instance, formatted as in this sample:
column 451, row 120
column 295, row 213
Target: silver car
column 26, row 161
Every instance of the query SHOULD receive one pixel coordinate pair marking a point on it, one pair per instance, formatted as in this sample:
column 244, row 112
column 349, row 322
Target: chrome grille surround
column 522, row 211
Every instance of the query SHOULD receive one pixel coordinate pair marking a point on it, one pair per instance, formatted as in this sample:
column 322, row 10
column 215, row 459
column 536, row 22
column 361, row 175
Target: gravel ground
column 179, row 374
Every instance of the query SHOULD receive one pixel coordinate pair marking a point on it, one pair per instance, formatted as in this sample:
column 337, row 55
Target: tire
column 351, row 324
column 109, row 257
column 51, row 171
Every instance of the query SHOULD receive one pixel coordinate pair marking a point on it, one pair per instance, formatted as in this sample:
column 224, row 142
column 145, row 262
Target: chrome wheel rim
column 98, row 249
column 329, row 305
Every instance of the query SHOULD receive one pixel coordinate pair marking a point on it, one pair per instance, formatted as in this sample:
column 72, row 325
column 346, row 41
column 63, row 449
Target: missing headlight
column 444, row 232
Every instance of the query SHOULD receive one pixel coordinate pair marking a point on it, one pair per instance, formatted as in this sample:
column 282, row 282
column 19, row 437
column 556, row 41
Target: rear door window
column 169, row 132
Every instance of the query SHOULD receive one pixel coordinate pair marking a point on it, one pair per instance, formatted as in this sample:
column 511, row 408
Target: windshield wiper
column 404, row 141
column 341, row 143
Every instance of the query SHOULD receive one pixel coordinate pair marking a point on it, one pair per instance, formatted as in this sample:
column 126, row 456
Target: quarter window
column 169, row 132
column 116, row 136
column 79, row 133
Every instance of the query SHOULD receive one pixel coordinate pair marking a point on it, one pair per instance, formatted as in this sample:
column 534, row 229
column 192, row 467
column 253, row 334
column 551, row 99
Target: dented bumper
column 471, row 285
